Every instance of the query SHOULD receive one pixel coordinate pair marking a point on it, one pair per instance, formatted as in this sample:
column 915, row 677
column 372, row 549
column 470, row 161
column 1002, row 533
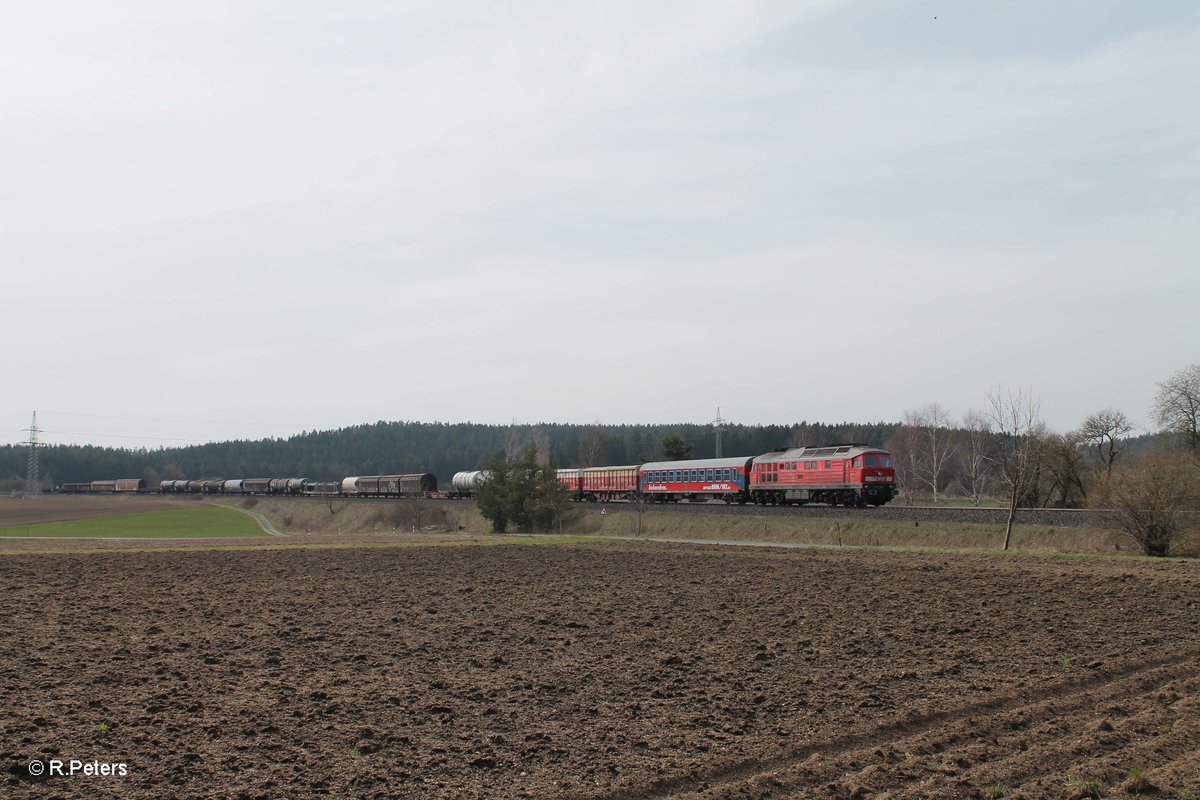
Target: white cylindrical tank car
column 465, row 484
column 349, row 486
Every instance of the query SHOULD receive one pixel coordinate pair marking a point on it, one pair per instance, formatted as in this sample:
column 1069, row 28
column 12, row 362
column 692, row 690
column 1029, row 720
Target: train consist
column 119, row 486
column 414, row 485
column 845, row 474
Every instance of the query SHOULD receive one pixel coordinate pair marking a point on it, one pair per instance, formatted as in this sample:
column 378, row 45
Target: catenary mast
column 32, row 480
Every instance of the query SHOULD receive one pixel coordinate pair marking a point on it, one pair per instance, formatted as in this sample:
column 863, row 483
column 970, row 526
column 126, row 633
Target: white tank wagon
column 465, row 484
column 234, row 487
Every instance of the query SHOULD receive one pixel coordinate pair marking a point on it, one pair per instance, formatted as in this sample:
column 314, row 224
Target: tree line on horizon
column 1003, row 449
column 405, row 447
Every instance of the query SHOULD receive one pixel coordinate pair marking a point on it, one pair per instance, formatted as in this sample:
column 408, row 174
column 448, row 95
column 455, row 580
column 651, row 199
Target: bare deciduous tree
column 1104, row 431
column 1063, row 458
column 1152, row 501
column 932, row 440
column 904, row 445
column 521, row 437
column 975, row 442
column 1177, row 405
column 1015, row 417
column 593, row 446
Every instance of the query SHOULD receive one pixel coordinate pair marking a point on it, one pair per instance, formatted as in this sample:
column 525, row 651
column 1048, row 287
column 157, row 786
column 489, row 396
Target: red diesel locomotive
column 848, row 474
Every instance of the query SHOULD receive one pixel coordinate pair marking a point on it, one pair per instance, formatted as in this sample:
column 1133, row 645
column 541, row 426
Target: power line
column 718, row 427
column 127, row 436
column 157, row 419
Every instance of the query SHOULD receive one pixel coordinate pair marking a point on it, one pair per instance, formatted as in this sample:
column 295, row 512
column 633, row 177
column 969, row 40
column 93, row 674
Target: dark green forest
column 400, row 447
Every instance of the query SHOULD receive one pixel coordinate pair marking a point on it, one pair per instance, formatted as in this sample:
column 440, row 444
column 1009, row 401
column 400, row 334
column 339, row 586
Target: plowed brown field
column 61, row 508
column 596, row 670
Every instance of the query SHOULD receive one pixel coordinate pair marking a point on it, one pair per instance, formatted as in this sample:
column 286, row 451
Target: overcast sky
column 237, row 220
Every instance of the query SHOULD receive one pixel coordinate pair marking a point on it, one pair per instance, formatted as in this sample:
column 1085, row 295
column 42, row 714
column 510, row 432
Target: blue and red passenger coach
column 698, row 479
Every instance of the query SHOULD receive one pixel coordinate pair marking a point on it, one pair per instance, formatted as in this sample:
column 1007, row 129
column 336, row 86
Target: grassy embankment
column 191, row 523
column 855, row 529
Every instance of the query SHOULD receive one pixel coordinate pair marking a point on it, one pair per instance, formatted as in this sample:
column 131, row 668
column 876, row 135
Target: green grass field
column 193, row 523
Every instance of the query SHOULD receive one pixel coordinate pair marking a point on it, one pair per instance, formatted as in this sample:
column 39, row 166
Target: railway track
column 1049, row 517
column 1054, row 517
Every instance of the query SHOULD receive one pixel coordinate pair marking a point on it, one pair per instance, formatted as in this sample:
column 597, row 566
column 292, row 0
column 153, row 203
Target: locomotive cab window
column 872, row 461
column 856, row 463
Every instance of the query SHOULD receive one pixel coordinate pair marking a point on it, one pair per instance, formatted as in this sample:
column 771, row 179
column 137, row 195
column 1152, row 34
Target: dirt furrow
column 870, row 761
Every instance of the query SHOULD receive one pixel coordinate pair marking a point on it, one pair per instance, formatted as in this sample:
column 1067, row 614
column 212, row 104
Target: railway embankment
column 955, row 529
